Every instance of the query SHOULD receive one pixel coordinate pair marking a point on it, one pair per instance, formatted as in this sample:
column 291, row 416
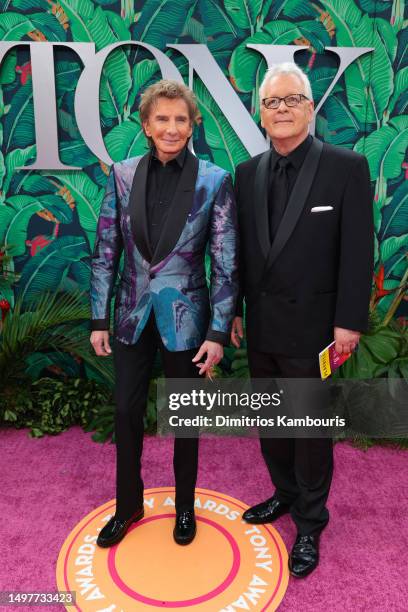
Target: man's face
column 286, row 123
column 169, row 126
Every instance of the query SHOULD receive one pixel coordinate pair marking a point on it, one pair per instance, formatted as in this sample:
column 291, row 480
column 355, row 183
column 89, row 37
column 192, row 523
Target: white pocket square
column 321, row 208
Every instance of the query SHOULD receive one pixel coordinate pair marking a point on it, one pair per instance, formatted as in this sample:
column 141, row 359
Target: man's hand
column 100, row 342
column 215, row 352
column 346, row 340
column 237, row 332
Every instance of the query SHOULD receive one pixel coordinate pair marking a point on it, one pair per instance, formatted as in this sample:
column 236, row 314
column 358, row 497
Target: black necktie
column 278, row 196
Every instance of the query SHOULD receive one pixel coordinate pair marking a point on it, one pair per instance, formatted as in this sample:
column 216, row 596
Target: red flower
column 379, row 283
column 25, row 71
column 37, row 243
column 4, row 307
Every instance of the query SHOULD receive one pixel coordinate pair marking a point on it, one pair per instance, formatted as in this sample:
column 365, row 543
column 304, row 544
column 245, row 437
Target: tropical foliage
column 50, row 334
column 48, row 218
column 52, row 405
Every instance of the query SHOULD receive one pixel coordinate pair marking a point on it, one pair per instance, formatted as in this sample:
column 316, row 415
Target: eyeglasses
column 292, row 100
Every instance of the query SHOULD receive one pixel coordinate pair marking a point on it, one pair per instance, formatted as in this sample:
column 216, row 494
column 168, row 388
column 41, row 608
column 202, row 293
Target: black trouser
column 300, row 468
column 133, row 368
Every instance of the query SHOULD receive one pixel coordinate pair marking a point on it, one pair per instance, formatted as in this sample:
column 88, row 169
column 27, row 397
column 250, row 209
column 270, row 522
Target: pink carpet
column 48, row 485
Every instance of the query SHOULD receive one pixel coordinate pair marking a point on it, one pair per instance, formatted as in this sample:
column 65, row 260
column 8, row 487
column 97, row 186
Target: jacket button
column 263, row 293
column 292, row 301
column 152, row 275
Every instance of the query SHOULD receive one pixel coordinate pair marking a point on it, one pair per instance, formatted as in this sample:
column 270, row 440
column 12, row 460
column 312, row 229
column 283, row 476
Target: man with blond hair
column 306, row 256
column 162, row 210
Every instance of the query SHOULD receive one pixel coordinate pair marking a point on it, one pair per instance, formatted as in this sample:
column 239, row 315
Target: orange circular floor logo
column 229, row 566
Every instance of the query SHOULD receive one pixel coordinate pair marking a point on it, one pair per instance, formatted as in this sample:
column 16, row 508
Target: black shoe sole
column 112, row 542
column 305, row 573
column 256, row 521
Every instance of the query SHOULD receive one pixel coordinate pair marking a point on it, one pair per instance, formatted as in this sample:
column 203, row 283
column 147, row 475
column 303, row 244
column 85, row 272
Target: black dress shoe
column 304, row 557
column 115, row 530
column 266, row 512
column 185, row 527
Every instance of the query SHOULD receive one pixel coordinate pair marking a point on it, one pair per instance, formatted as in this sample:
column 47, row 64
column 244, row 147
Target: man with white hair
column 306, row 236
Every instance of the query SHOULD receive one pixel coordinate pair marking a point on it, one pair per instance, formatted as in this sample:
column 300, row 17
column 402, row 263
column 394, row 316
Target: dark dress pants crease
column 300, row 468
column 133, row 369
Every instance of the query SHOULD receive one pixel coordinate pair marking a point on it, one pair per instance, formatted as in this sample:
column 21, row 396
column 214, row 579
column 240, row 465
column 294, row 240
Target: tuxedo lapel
column 137, row 208
column 180, row 206
column 296, row 201
column 261, row 202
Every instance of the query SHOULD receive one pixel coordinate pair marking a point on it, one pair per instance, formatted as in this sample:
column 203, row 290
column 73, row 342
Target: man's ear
column 146, row 129
column 311, row 110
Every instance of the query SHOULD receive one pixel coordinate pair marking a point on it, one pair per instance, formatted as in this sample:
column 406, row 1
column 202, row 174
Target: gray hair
column 286, row 68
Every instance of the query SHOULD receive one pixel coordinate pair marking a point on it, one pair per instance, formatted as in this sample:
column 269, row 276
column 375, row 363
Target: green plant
column 365, row 443
column 56, row 323
column 383, row 351
column 50, row 406
column 7, row 278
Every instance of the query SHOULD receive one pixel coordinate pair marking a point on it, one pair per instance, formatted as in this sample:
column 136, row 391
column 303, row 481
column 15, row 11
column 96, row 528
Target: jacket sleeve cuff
column 239, row 305
column 217, row 336
column 358, row 326
column 100, row 325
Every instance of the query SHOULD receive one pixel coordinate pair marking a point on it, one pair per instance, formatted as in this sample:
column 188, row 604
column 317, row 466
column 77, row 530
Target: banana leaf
column 48, row 267
column 395, row 214
column 156, row 27
column 14, row 219
column 245, row 63
column 19, row 121
column 127, row 139
column 8, row 68
column 225, row 145
column 87, row 197
column 385, row 148
column 79, row 12
column 215, row 19
column 368, row 79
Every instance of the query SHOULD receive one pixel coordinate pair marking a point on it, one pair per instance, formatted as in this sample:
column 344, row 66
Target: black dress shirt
column 295, row 161
column 282, row 177
column 162, row 180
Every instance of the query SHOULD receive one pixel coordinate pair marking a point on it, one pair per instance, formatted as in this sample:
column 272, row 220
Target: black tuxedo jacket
column 317, row 273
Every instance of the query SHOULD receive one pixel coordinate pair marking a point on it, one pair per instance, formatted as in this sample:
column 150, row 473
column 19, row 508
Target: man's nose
column 172, row 126
column 282, row 106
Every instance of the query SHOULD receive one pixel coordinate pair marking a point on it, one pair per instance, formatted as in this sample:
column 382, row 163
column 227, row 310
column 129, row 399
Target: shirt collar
column 295, row 157
column 180, row 159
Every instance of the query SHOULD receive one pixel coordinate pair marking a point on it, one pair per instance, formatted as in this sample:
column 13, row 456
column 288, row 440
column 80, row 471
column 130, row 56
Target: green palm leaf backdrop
column 48, row 218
